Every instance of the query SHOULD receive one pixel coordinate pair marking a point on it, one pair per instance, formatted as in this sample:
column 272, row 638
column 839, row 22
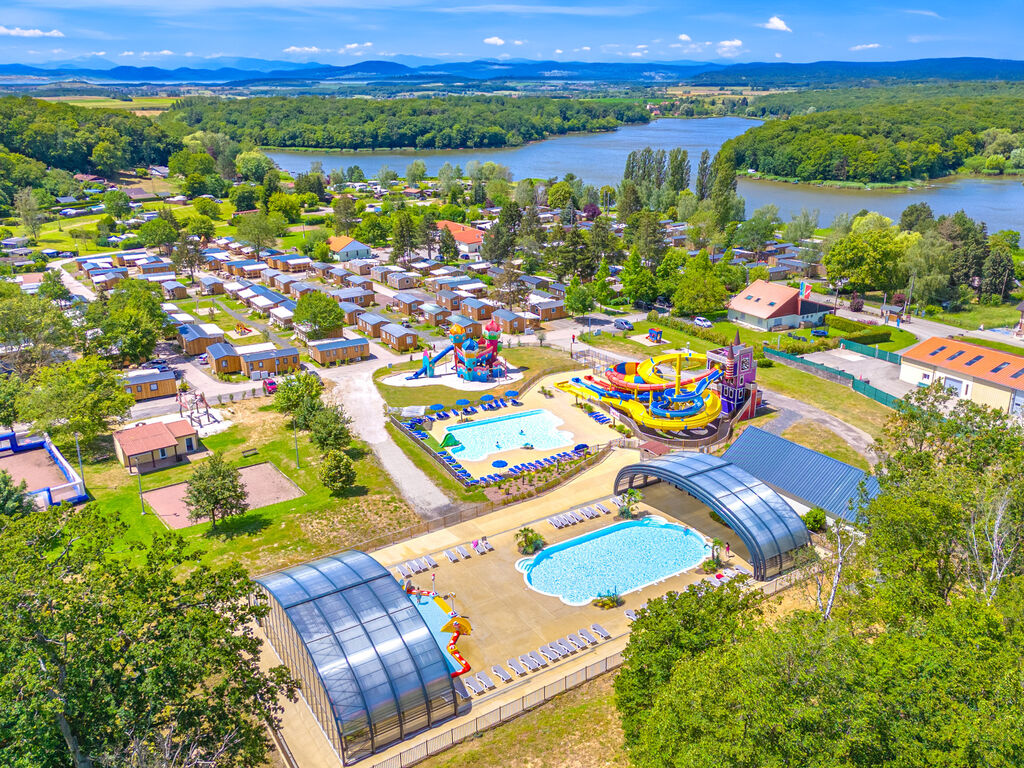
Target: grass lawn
column 278, row 535
column 579, row 728
column 137, row 103
column 822, row 439
column 900, row 339
column 537, row 361
column 619, row 341
column 976, row 316
column 1013, row 349
column 429, row 467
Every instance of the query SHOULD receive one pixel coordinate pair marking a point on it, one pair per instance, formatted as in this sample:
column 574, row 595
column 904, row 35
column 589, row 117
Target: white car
column 702, row 322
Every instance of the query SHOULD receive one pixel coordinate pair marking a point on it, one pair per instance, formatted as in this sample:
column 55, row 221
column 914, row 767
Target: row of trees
column 908, row 650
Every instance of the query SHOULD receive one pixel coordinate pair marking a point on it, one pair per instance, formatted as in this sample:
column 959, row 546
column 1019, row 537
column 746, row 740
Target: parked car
column 204, row 359
column 622, row 324
column 702, row 322
column 310, row 370
column 269, row 386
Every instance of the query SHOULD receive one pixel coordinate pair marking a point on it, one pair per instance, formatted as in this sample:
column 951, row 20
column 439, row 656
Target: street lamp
column 295, row 434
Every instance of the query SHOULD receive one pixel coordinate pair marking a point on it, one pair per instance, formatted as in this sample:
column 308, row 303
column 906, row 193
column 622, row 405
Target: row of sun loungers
column 419, row 565
column 599, row 417
column 566, row 519
column 534, row 660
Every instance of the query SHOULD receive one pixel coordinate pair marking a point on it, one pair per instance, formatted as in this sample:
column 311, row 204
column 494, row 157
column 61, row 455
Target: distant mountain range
column 234, row 70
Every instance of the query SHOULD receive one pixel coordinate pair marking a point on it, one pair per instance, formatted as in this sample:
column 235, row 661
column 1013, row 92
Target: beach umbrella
column 499, row 464
column 486, row 398
column 462, row 402
column 437, row 407
column 580, row 447
column 512, row 393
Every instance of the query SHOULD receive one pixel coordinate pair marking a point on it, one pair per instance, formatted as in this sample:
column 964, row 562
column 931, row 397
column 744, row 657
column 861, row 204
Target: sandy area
column 264, row 483
column 444, row 374
column 35, row 468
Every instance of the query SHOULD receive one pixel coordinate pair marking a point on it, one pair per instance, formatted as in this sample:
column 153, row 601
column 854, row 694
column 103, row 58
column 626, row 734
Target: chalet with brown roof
column 150, row 446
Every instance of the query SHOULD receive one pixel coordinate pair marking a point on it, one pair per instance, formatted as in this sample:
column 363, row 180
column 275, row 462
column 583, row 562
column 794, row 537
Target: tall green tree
column 638, row 282
column 215, row 491
column 258, row 230
column 870, row 260
column 26, row 206
column 678, row 169
column 188, row 256
column 14, row 499
column 117, row 203
column 337, row 472
column 320, row 313
column 32, row 331
column 10, row 390
column 699, row 291
column 447, row 247
column 702, row 185
column 578, row 300
column 52, row 287
column 117, row 654
column 344, row 214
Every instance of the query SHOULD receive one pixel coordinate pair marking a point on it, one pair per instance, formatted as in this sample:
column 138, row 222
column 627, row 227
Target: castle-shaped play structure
column 475, row 359
column 673, row 393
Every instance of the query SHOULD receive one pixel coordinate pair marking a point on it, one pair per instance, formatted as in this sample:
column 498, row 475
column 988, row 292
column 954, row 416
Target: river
column 599, row 158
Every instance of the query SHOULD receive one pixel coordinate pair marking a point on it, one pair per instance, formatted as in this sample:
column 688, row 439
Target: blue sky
column 175, row 32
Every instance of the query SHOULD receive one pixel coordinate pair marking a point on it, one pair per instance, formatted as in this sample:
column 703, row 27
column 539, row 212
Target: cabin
column 510, row 321
column 549, row 309
column 399, row 338
column 358, row 296
column 211, row 286
column 359, row 266
column 468, row 239
column 346, row 248
column 302, row 331
column 450, row 300
column 370, row 324
column 351, row 310
column 477, row 309
column 333, row 351
column 172, row 289
column 402, row 281
column 149, row 383
column 338, row 276
column 148, row 446
column 264, row 363
column 472, row 327
column 434, row 314
column 195, row 339
column 769, row 306
column 301, row 288
column 282, row 314
column 406, row 303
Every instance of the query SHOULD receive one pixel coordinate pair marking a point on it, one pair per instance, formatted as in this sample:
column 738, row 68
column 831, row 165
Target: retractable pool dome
column 769, row 527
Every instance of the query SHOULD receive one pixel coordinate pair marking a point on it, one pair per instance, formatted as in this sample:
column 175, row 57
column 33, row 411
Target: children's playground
column 465, row 363
column 445, row 623
column 674, row 394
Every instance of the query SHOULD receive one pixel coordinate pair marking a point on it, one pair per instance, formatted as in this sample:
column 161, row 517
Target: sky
column 197, row 32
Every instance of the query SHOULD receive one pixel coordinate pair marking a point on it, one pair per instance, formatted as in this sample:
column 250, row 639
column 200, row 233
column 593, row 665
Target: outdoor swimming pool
column 621, row 558
column 480, row 439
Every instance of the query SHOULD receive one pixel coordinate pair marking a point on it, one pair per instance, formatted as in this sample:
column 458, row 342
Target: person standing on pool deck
column 727, row 549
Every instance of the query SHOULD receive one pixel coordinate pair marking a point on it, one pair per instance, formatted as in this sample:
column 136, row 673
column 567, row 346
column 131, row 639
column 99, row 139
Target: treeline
column 453, row 122
column 884, row 134
column 79, row 139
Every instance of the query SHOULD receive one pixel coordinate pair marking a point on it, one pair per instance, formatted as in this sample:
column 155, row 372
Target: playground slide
column 434, row 361
column 457, row 625
column 699, row 415
column 643, row 377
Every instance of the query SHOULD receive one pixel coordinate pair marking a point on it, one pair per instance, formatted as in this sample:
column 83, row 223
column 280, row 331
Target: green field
column 148, row 103
column 822, row 439
column 278, row 535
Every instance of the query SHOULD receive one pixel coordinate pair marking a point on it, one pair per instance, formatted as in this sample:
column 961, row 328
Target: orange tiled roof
column 152, row 437
column 766, row 299
column 461, row 232
column 980, row 363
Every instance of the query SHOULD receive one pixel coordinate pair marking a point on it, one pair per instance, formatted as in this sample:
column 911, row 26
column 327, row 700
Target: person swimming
column 521, row 432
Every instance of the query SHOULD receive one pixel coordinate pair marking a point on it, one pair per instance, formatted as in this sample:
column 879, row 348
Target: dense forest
column 443, row 123
column 873, row 135
column 80, row 140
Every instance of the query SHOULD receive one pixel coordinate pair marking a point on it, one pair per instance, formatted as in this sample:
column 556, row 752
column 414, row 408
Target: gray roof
column 408, row 298
column 457, row 319
column 147, row 376
column 372, row 319
column 221, row 349
column 338, row 343
column 763, row 520
column 267, row 354
column 394, row 329
column 506, row 314
column 381, row 670
column 812, row 477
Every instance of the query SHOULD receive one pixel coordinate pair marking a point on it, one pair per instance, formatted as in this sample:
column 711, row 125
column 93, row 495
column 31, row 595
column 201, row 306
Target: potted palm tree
column 529, row 541
column 627, row 509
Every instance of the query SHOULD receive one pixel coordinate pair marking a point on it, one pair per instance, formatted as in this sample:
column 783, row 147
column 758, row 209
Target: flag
column 805, row 290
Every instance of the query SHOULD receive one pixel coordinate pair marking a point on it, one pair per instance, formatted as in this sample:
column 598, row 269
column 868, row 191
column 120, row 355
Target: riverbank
column 907, row 185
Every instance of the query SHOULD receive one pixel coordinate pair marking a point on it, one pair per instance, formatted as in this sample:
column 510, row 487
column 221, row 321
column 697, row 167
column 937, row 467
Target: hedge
column 844, row 324
column 871, row 336
column 788, row 344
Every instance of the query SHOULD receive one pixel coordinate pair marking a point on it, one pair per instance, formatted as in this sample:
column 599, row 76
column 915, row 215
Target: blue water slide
column 436, row 359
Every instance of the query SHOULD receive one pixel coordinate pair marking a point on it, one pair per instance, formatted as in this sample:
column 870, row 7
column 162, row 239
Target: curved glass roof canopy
column 372, row 672
column 763, row 520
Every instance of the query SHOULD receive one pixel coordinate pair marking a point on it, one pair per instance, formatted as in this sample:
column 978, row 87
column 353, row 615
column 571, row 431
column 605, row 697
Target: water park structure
column 673, row 393
column 475, row 359
column 456, row 625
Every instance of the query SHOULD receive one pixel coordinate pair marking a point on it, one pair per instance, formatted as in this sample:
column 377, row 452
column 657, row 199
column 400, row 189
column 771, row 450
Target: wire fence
column 837, row 376
column 863, row 349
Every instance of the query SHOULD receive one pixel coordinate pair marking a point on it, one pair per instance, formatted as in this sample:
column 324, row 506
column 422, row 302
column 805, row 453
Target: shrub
column 337, row 473
column 607, row 601
column 529, row 541
column 856, row 303
column 844, row 324
column 815, row 519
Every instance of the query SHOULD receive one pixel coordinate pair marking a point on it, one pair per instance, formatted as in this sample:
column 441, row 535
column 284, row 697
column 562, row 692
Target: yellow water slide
column 648, row 369
column 638, row 413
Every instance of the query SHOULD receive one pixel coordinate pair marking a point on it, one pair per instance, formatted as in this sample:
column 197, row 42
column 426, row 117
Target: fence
column 494, row 717
column 837, row 376
column 864, row 349
column 72, row 490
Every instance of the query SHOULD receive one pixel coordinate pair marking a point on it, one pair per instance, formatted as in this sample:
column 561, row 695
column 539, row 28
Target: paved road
column 74, row 285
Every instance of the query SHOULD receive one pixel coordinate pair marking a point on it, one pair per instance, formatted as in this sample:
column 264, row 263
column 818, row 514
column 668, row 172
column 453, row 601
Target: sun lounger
column 577, row 641
column 478, row 549
column 487, row 545
column 473, row 685
column 430, row 561
column 461, row 690
column 514, row 401
column 462, row 551
column 539, row 660
column 554, row 522
column 527, row 661
column 404, row 570
column 744, row 570
column 516, row 667
column 601, row 631
column 565, row 645
column 451, row 556
column 504, row 676
column 484, row 678
column 589, row 512
column 603, row 508
column 578, row 516
column 587, row 636
column 547, row 653
column 631, row 614
column 568, row 519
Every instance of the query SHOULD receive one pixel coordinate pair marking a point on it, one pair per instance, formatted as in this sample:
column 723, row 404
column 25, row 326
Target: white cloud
column 585, row 48
column 304, row 49
column 126, row 53
column 865, row 46
column 922, row 12
column 518, row 42
column 164, row 52
column 558, row 50
column 777, row 24
column 19, row 32
column 637, row 54
column 684, row 38
column 729, row 48
column 641, row 46
column 96, row 53
column 354, row 47
column 494, row 40
column 778, row 55
column 548, row 10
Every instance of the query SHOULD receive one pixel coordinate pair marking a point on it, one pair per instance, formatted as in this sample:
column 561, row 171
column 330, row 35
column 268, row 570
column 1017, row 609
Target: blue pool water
column 621, row 558
column 480, row 439
column 435, row 617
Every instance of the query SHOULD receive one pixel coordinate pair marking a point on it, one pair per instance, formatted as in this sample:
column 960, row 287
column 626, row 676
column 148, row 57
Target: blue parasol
column 463, row 402
column 499, row 464
column 486, row 398
column 512, row 393
column 438, row 407
column 580, row 447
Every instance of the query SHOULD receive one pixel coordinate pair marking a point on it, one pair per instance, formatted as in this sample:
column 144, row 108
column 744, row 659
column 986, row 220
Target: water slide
column 703, row 410
column 644, row 377
column 427, row 367
column 457, row 625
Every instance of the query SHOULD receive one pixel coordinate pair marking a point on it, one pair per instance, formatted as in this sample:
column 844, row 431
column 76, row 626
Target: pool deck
column 583, row 428
column 508, row 617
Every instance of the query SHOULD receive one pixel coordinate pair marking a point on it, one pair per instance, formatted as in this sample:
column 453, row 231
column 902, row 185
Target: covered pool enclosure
column 767, row 525
column 372, row 672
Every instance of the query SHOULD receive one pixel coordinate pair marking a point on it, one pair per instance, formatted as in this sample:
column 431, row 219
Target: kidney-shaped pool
column 618, row 559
